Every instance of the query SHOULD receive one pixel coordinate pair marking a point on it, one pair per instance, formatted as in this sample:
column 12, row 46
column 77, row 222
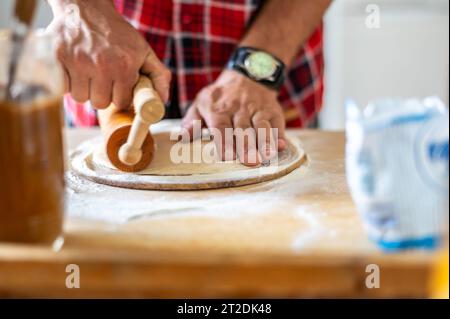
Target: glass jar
column 31, row 146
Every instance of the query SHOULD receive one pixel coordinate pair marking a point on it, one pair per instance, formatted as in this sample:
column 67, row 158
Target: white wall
column 408, row 56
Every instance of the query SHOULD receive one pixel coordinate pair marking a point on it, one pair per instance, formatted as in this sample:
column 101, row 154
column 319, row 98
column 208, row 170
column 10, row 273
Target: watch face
column 261, row 65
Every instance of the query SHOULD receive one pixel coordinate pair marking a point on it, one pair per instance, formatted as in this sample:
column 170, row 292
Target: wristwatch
column 259, row 66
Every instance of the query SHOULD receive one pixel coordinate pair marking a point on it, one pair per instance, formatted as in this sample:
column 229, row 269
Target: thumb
column 159, row 74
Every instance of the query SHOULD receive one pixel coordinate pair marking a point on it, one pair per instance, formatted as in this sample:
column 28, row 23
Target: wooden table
column 299, row 236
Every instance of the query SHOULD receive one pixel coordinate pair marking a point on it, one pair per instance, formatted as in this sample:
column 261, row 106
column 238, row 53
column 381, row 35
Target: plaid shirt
column 196, row 39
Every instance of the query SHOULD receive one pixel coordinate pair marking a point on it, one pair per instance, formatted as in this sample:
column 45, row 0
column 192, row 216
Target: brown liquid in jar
column 31, row 170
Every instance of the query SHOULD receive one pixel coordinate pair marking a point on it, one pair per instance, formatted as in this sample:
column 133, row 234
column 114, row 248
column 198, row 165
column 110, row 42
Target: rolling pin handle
column 129, row 154
column 149, row 109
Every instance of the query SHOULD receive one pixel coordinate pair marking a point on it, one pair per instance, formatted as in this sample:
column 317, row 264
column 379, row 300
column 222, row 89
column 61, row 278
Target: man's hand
column 235, row 101
column 280, row 28
column 102, row 54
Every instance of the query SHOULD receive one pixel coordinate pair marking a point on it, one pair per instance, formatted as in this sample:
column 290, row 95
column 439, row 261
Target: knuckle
column 247, row 99
column 219, row 122
column 204, row 92
column 127, row 82
column 100, row 104
column 216, row 93
column 233, row 106
column 226, row 107
column 167, row 74
column 219, row 108
column 242, row 120
column 80, row 57
column 251, row 107
column 204, row 98
column 261, row 124
column 263, row 115
column 123, row 102
column 257, row 118
column 242, row 112
column 129, row 62
column 276, row 110
column 162, row 78
column 124, row 64
column 79, row 97
column 103, row 60
column 279, row 117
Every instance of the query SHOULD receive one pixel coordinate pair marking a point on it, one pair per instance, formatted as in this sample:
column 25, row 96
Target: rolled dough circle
column 199, row 171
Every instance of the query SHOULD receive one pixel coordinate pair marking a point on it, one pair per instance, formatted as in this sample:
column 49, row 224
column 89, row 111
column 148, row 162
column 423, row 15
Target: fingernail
column 252, row 158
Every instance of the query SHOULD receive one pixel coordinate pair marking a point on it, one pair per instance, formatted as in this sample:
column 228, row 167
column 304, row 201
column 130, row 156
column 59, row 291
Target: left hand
column 234, row 101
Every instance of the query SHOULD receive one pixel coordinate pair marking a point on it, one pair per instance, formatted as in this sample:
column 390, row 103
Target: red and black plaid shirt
column 196, row 38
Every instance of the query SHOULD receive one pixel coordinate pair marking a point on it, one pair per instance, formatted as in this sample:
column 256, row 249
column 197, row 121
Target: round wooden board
column 82, row 164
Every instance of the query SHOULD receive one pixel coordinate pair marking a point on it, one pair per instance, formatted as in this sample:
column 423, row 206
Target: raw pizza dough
column 89, row 160
column 190, row 158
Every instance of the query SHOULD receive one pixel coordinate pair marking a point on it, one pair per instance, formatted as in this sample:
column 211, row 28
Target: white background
column 407, row 57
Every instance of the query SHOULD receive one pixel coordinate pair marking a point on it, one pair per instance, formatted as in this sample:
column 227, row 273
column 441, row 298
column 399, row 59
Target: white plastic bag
column 398, row 170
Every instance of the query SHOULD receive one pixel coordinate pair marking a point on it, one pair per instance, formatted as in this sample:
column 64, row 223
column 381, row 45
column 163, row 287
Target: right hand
column 103, row 55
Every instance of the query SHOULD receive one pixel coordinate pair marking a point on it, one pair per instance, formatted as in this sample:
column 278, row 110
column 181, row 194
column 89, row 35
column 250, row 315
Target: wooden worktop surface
column 299, row 236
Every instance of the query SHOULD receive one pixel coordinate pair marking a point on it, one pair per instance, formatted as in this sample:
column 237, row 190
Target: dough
column 190, row 158
column 89, row 161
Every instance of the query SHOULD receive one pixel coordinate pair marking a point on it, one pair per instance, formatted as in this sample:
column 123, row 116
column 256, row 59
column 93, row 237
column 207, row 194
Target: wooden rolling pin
column 128, row 142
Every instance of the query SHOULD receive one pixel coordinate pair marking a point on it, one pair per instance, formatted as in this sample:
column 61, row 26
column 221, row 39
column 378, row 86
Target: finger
column 279, row 124
column 101, row 92
column 219, row 125
column 266, row 141
column 159, row 75
column 122, row 95
column 61, row 53
column 246, row 148
column 79, row 87
column 193, row 123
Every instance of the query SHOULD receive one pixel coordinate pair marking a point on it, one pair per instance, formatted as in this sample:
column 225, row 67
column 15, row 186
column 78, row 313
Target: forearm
column 283, row 26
